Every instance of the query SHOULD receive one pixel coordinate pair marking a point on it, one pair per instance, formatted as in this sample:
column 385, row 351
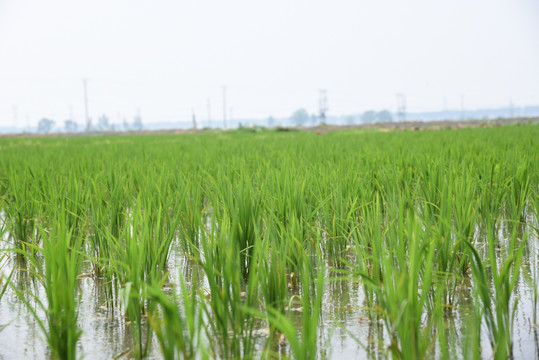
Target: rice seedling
column 21, row 207
column 229, row 328
column 303, row 340
column 190, row 210
column 339, row 218
column 139, row 257
column 471, row 344
column 271, row 260
column 244, row 209
column 404, row 292
column 498, row 309
column 62, row 258
column 178, row 328
column 4, row 280
column 432, row 236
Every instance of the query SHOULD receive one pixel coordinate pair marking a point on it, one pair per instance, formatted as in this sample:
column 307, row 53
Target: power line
column 194, row 119
column 401, row 107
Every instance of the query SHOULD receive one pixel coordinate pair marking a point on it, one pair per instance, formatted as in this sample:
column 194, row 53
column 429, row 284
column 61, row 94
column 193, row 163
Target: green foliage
column 57, row 264
column 434, row 226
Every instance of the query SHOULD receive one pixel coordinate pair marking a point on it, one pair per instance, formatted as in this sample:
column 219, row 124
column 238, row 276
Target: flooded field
column 356, row 244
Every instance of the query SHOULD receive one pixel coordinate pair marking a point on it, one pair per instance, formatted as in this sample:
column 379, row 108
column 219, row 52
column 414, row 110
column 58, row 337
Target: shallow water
column 346, row 329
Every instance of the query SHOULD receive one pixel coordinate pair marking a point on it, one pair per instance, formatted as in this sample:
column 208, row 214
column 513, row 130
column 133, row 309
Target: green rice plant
column 517, row 196
column 139, row 257
column 404, row 297
column 503, row 271
column 368, row 249
column 530, row 260
column 451, row 261
column 442, row 333
column 160, row 234
column 292, row 201
column 117, row 199
column 433, row 189
column 21, row 207
column 4, row 280
column 339, row 217
column 493, row 193
column 464, row 206
column 77, row 205
column 190, row 208
column 303, row 340
column 471, row 343
column 271, row 260
column 262, row 215
column 229, row 328
column 133, row 299
column 297, row 241
column 243, row 208
column 401, row 280
column 107, row 216
column 534, row 280
column 178, row 327
column 62, row 259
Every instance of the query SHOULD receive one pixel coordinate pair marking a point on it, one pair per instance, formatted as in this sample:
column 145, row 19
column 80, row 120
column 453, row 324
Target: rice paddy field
column 272, row 245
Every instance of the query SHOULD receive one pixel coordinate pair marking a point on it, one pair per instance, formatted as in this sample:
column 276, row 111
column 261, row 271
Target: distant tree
column 137, row 123
column 384, row 116
column 45, row 125
column 350, row 120
column 126, row 125
column 103, row 123
column 368, row 116
column 300, row 117
column 70, row 126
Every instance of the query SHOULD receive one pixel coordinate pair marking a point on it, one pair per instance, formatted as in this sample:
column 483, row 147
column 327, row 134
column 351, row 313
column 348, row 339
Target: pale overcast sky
column 168, row 58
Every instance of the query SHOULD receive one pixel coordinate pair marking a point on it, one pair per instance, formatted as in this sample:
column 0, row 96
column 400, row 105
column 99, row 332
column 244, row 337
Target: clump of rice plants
column 429, row 236
column 58, row 263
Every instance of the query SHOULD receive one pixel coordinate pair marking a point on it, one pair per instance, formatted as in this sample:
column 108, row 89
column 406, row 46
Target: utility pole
column 401, row 107
column 224, row 107
column 323, row 105
column 86, row 117
column 209, row 112
column 194, row 119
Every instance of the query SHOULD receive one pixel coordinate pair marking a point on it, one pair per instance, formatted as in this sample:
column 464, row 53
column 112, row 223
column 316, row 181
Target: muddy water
column 346, row 330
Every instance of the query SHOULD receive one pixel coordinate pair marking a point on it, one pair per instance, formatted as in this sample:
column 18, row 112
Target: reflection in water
column 104, row 330
column 348, row 329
